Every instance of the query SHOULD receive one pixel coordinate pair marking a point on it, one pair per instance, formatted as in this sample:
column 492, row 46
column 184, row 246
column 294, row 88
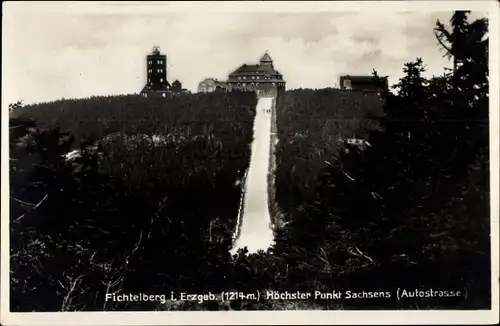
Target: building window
column 253, row 84
column 150, row 70
column 244, row 77
column 257, row 84
column 239, row 77
column 274, row 84
column 244, row 84
column 164, row 95
column 159, row 70
column 161, row 80
column 239, row 84
column 159, row 61
column 150, row 62
column 149, row 80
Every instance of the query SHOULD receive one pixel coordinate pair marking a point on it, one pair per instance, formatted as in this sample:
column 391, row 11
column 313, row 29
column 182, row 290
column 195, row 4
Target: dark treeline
column 96, row 117
column 408, row 209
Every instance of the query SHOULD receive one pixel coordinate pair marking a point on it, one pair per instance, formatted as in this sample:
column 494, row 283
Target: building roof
column 360, row 79
column 208, row 80
column 156, row 50
column 255, row 69
column 266, row 58
column 215, row 82
column 246, row 69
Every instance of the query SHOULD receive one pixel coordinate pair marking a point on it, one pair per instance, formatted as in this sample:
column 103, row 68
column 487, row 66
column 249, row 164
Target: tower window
column 150, row 62
column 159, row 61
column 161, row 80
column 150, row 70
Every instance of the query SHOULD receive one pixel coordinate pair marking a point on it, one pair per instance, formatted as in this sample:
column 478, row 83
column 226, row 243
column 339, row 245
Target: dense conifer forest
column 149, row 205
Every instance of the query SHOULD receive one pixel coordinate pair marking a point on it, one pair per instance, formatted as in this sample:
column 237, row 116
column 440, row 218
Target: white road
column 255, row 226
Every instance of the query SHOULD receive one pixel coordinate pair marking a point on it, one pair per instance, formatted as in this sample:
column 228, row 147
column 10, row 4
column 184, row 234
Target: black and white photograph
column 260, row 162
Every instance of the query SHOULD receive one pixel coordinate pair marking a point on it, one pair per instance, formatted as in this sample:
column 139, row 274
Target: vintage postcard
column 260, row 162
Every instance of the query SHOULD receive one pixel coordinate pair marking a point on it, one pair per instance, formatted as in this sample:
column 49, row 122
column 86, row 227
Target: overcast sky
column 48, row 56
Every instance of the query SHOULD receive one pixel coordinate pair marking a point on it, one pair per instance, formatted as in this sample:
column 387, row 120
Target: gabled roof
column 249, row 69
column 246, row 69
column 360, row 79
column 266, row 58
column 212, row 80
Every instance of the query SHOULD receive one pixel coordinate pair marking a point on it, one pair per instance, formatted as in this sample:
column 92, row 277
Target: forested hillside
column 130, row 216
column 312, row 126
column 412, row 209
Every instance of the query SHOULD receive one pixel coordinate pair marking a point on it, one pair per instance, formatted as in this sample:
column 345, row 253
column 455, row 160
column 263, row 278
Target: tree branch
column 34, row 207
